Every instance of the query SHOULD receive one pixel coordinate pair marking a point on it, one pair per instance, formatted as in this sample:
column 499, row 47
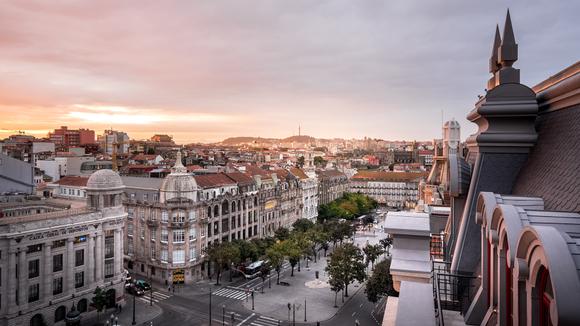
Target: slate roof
column 553, row 167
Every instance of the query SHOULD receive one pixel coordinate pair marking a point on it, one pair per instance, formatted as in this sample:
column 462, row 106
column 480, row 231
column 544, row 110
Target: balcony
column 152, row 223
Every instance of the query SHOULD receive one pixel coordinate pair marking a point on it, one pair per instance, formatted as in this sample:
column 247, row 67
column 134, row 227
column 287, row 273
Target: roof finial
column 178, row 167
column 508, row 51
column 493, row 63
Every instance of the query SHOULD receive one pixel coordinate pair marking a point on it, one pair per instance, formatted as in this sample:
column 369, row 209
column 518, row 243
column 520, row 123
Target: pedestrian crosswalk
column 265, row 321
column 157, row 297
column 231, row 293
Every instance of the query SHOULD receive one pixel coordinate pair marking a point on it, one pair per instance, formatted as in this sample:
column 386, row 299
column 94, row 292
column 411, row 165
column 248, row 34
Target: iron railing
column 452, row 291
column 437, row 247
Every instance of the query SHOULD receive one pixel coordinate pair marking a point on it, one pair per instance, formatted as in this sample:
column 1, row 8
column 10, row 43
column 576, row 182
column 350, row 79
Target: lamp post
column 233, row 316
column 305, row 310
column 210, row 304
column 252, row 299
column 133, row 322
column 223, row 314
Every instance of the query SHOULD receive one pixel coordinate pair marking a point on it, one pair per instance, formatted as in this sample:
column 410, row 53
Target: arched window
column 233, row 206
column 508, row 286
column 545, row 296
column 209, row 212
column 225, row 207
column 59, row 314
column 216, row 211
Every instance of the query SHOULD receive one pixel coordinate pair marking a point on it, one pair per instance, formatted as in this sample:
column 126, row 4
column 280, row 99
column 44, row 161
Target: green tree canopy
column 380, row 283
column 347, row 265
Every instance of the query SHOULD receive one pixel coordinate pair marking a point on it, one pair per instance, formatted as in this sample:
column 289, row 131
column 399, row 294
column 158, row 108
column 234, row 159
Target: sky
column 206, row 70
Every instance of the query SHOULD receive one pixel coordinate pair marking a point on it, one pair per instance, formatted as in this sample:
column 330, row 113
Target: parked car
column 143, row 285
column 133, row 289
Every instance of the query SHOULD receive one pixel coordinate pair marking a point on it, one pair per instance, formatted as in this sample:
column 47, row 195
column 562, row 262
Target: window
column 191, row 215
column 178, row 236
column 81, row 239
column 164, row 216
column 164, row 255
column 129, row 229
column 192, row 253
column 33, row 268
column 178, row 256
column 153, row 234
column 33, row 292
column 79, row 279
column 58, row 244
column 192, row 233
column 79, row 257
column 143, row 233
column 130, row 212
column 109, row 268
column 164, row 235
column 57, row 263
column 109, row 247
column 57, row 286
column 179, row 217
column 153, row 253
column 34, row 248
column 130, row 247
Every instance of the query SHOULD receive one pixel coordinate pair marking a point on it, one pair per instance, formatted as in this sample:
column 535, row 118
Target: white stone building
column 51, row 261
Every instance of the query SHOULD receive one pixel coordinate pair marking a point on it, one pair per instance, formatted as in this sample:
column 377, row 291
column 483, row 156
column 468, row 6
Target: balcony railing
column 452, row 291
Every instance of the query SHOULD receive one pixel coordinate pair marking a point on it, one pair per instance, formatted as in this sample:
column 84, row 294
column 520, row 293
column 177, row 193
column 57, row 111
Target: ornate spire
column 178, row 167
column 508, row 50
column 493, row 63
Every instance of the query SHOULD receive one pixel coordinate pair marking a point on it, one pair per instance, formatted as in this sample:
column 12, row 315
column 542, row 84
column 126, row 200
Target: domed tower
column 179, row 183
column 104, row 190
column 451, row 137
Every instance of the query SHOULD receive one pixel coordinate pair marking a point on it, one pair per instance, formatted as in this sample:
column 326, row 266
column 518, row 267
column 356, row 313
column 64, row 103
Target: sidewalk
column 319, row 299
column 143, row 314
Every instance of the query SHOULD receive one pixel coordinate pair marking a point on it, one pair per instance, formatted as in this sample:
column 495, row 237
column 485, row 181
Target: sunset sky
column 206, row 70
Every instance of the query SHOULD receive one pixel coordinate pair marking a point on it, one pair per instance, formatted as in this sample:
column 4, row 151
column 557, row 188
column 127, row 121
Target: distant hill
column 299, row 139
column 248, row 140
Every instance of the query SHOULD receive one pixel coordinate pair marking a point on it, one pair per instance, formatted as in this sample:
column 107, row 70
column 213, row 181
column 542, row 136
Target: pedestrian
column 169, row 288
column 120, row 308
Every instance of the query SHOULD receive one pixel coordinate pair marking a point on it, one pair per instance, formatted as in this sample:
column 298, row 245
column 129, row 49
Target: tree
column 317, row 237
column 319, row 161
column 386, row 243
column 300, row 162
column 99, row 301
column 151, row 151
column 372, row 252
column 346, row 265
column 231, row 254
column 264, row 273
column 275, row 255
column 302, row 225
column 248, row 250
column 336, row 283
column 381, row 282
column 293, row 253
column 282, row 233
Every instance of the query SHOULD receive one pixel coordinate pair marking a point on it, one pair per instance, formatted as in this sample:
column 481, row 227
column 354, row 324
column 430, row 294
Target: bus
column 254, row 269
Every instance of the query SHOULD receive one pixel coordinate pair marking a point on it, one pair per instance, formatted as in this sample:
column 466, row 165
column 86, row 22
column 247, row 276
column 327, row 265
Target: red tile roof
column 73, row 181
column 298, row 173
column 240, row 178
column 213, row 180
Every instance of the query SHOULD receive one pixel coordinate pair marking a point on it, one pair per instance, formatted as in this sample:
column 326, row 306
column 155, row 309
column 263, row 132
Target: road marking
column 245, row 320
column 354, row 313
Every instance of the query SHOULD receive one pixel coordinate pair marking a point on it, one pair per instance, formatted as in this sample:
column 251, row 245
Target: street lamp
column 133, row 322
column 223, row 314
column 210, row 305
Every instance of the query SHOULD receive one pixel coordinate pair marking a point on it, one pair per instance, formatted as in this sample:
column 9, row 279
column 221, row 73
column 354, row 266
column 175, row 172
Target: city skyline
column 203, row 73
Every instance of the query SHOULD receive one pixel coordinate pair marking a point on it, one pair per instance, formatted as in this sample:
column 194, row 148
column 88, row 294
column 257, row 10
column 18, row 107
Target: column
column 22, row 279
column 47, row 273
column 99, row 258
column 91, row 260
column 10, row 281
column 118, row 252
column 69, row 267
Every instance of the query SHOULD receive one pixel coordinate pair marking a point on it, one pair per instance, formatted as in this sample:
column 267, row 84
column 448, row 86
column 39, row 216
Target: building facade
column 332, row 184
column 57, row 259
column 394, row 189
